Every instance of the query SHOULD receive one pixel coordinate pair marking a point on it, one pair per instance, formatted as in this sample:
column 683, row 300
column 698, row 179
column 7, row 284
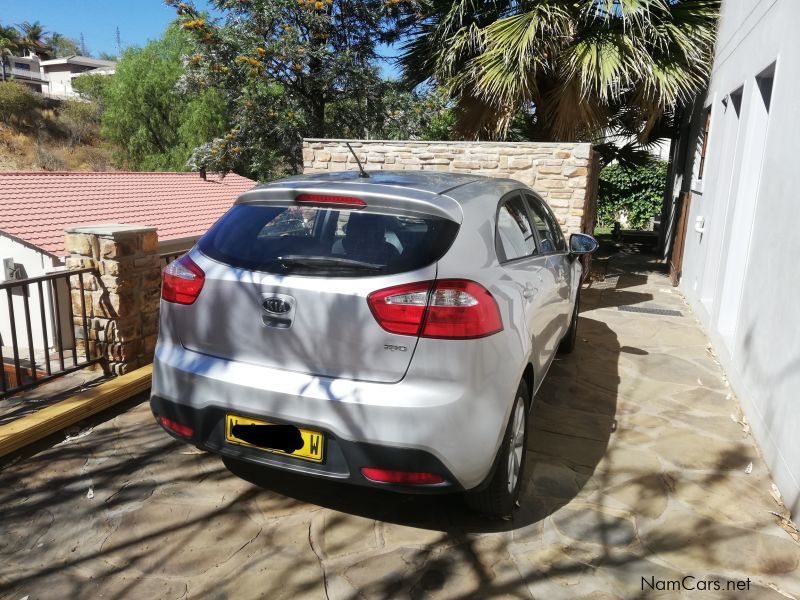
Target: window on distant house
column 22, row 66
column 704, row 142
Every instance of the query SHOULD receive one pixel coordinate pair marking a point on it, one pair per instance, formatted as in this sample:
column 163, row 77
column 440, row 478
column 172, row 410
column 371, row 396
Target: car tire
column 499, row 497
column 567, row 344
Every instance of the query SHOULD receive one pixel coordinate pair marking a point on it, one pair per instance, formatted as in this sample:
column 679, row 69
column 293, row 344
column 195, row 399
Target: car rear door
column 553, row 246
column 521, row 261
column 286, row 287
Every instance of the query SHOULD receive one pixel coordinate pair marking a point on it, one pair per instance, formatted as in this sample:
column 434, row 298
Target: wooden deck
column 35, row 426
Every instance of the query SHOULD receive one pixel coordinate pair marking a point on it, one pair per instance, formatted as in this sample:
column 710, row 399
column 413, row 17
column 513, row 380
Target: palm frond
column 514, row 48
column 574, row 62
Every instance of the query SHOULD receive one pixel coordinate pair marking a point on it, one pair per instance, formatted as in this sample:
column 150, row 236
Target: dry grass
column 41, row 134
column 27, row 151
column 17, row 151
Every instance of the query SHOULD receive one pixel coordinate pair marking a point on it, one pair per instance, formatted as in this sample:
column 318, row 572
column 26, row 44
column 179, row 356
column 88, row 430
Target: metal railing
column 55, row 324
column 168, row 257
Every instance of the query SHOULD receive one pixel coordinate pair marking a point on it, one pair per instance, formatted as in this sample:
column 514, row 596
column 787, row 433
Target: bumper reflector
column 404, row 477
column 176, row 427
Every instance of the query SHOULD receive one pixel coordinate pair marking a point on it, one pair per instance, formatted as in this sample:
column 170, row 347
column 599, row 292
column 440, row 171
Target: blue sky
column 138, row 20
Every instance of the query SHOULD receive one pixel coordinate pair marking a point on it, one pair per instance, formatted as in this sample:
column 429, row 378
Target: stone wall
column 122, row 299
column 564, row 174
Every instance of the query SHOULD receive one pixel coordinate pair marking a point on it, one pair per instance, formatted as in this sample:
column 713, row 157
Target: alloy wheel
column 516, row 445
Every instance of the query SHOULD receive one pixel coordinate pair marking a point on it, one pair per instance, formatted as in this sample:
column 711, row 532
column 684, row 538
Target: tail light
column 182, row 281
column 403, row 477
column 182, row 430
column 329, row 199
column 446, row 309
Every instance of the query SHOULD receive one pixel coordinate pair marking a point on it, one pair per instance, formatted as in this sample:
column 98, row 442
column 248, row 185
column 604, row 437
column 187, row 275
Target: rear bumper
column 343, row 459
column 423, row 424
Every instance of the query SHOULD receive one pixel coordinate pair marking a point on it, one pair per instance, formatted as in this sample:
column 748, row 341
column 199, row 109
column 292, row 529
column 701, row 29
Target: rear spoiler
column 378, row 198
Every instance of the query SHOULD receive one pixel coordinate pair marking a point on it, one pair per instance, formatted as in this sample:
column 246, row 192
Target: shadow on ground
column 569, row 433
column 635, row 470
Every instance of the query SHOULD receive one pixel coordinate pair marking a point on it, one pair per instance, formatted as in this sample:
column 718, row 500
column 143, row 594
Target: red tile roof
column 37, row 206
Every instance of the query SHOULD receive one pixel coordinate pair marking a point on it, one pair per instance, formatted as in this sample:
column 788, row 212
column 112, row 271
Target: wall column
column 122, row 299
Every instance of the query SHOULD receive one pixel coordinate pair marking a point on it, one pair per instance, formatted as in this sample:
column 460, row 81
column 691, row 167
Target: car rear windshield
column 326, row 241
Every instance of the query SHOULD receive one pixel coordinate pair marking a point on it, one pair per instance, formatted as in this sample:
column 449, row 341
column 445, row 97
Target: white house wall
column 60, row 79
column 742, row 273
column 34, row 263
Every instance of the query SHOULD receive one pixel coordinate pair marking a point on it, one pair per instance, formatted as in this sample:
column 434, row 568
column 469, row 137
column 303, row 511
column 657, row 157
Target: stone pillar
column 122, row 297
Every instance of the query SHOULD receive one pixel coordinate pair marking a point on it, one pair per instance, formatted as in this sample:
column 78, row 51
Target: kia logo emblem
column 276, row 306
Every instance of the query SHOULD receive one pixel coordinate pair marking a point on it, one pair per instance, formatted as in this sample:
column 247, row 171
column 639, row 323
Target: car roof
column 444, row 194
column 435, row 182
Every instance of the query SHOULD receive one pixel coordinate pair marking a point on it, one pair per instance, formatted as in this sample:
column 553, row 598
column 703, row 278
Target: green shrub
column 638, row 192
column 19, row 104
column 92, row 87
column 152, row 121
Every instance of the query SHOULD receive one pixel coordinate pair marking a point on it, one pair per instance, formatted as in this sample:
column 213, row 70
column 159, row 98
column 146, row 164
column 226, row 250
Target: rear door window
column 514, row 232
column 318, row 241
column 550, row 237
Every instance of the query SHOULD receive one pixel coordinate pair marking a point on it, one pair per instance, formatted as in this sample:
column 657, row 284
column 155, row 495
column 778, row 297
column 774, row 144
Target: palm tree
column 561, row 70
column 60, row 45
column 33, row 37
column 9, row 43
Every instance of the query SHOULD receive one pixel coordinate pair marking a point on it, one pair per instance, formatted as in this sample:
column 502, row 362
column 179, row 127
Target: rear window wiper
column 301, row 260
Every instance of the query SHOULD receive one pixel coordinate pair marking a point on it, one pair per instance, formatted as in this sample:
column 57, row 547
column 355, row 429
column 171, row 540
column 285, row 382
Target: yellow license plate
column 313, row 441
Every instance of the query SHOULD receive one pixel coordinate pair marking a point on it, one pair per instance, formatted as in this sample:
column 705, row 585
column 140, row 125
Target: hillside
column 29, row 150
column 40, row 134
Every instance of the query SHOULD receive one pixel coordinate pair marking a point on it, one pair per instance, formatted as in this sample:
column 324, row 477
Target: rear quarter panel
column 493, row 366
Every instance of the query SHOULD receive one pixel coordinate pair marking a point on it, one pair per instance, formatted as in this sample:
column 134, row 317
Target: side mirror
column 580, row 243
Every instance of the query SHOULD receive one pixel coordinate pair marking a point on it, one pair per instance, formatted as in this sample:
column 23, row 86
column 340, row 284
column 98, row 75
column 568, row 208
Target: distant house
column 54, row 77
column 26, row 70
column 36, row 208
column 59, row 73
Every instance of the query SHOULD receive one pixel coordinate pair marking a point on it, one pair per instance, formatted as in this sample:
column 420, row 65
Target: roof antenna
column 360, row 168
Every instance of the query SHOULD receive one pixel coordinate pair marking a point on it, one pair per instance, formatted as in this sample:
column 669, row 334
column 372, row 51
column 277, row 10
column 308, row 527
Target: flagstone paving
column 636, row 473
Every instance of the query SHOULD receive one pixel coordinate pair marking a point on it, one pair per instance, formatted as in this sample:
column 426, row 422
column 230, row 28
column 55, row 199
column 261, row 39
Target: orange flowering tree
column 291, row 69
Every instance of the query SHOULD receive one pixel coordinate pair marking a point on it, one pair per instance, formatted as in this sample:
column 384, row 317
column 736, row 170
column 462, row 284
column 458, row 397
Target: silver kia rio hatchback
column 389, row 331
